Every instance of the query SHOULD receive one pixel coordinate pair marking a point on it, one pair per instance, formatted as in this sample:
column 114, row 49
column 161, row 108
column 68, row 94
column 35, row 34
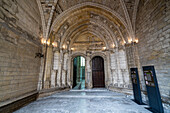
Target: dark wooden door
column 98, row 72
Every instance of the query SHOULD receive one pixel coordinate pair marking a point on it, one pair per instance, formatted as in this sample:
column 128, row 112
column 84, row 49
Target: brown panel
column 98, row 72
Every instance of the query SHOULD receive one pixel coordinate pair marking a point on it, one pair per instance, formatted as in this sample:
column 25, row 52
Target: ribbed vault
column 92, row 21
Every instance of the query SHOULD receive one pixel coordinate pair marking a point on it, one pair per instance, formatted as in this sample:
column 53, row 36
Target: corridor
column 85, row 101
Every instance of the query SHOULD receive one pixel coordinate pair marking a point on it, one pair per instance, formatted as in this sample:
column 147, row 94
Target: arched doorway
column 98, row 72
column 79, row 72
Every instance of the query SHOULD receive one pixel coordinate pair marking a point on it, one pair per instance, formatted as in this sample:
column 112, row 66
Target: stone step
column 90, row 90
column 89, row 96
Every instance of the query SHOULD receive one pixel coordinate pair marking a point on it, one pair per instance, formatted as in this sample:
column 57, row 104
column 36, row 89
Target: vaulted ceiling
column 113, row 21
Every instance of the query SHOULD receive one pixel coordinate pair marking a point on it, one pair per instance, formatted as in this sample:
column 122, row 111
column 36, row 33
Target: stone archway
column 71, row 69
column 105, row 57
column 95, row 33
column 79, row 72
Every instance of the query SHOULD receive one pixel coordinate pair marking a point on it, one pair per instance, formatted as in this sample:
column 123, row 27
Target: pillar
column 88, row 77
column 48, row 68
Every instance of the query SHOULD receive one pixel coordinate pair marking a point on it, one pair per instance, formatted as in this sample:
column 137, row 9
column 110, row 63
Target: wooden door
column 98, row 72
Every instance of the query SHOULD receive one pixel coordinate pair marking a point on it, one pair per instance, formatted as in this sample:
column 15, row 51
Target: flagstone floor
column 85, row 101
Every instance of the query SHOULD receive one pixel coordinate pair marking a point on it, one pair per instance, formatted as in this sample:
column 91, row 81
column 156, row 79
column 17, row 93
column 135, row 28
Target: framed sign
column 133, row 75
column 148, row 76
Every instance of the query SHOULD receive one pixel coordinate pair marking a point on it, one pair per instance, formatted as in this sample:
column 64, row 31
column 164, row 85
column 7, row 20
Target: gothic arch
column 74, row 55
column 102, row 55
column 99, row 54
column 110, row 15
column 86, row 4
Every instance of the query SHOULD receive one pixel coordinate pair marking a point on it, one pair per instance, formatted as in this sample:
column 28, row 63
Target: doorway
column 79, row 72
column 98, row 72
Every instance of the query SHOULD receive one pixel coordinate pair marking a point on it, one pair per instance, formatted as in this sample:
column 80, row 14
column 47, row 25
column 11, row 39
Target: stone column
column 119, row 73
column 56, row 66
column 64, row 70
column 39, row 87
column 88, row 76
column 59, row 74
column 126, row 72
column 133, row 61
column 107, row 64
column 113, row 68
column 53, row 78
column 54, row 70
column 48, row 68
column 69, row 64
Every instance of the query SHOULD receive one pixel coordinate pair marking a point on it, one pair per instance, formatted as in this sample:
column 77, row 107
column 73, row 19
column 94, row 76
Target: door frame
column 71, row 65
column 102, row 70
column 102, row 55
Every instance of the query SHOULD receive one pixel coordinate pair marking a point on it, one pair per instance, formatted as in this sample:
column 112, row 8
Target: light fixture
column 72, row 49
column 64, row 46
column 113, row 45
column 104, row 48
column 48, row 43
column 136, row 41
column 54, row 44
column 43, row 41
column 38, row 54
column 130, row 40
column 123, row 42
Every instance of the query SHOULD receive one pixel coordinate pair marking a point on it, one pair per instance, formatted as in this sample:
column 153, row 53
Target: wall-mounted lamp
column 43, row 41
column 113, row 45
column 64, row 46
column 104, row 48
column 123, row 42
column 136, row 41
column 54, row 44
column 47, row 42
column 133, row 41
column 39, row 55
column 72, row 49
column 130, row 40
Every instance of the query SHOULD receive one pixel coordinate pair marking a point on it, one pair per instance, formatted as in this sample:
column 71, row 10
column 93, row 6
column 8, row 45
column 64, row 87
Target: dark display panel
column 136, row 85
column 153, row 93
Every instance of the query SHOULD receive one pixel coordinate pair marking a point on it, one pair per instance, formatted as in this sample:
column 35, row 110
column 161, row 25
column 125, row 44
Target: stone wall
column 153, row 32
column 19, row 31
column 119, row 70
column 115, row 68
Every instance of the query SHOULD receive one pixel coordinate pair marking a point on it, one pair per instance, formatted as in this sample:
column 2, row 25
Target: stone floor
column 85, row 101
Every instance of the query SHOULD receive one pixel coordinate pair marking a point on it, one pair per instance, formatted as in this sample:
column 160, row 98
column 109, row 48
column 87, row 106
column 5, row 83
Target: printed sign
column 134, row 79
column 149, row 80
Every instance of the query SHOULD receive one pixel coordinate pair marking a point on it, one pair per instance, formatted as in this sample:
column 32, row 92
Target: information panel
column 136, row 85
column 154, row 97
